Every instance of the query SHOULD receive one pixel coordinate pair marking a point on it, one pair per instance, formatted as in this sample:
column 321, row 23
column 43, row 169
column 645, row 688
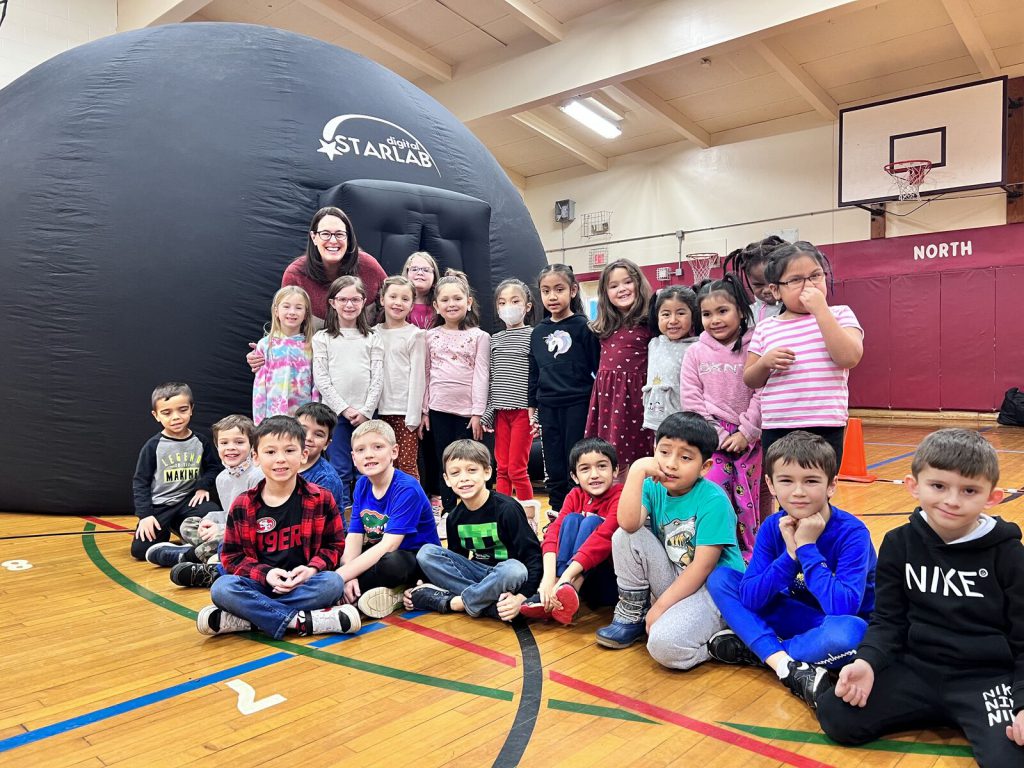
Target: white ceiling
column 789, row 75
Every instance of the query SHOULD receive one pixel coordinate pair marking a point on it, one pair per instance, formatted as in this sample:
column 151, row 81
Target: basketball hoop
column 702, row 264
column 908, row 175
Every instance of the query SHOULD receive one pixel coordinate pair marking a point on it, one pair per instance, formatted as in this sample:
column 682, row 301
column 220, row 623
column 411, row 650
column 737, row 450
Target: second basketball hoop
column 702, row 264
column 908, row 175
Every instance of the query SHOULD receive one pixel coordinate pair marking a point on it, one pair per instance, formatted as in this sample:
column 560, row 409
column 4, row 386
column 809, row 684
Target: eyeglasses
column 326, row 236
column 419, row 270
column 798, row 282
column 356, row 300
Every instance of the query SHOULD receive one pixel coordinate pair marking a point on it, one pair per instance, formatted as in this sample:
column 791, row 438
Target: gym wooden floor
column 103, row 667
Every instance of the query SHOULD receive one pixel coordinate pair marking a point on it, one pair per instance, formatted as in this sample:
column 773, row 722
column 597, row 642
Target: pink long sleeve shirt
column 711, row 384
column 457, row 371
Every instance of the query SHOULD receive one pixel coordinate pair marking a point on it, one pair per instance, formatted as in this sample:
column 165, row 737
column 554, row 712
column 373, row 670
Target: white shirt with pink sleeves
column 813, row 391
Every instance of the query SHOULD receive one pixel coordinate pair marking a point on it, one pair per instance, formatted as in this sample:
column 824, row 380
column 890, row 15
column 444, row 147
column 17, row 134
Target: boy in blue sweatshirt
column 803, row 603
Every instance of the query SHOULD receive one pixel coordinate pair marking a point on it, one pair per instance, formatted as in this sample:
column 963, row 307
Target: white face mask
column 512, row 314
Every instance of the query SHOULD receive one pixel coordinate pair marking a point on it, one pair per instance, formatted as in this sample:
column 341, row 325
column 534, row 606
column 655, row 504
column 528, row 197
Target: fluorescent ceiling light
column 589, row 112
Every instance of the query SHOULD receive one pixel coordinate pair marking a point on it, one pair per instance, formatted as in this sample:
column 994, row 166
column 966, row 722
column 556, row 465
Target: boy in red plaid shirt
column 283, row 540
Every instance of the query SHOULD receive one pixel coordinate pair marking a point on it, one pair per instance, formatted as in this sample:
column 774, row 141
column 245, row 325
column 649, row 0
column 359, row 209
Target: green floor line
column 107, row 568
column 882, row 745
column 591, row 709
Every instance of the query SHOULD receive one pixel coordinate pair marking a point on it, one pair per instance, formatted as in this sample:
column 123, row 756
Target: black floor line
column 521, row 732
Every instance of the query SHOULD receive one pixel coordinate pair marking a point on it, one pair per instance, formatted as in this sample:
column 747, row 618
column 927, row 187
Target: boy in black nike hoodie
column 945, row 645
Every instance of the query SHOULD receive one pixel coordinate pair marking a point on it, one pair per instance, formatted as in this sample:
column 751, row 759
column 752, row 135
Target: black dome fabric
column 153, row 187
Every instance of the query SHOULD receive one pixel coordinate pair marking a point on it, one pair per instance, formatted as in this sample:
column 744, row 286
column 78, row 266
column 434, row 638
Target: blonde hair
column 455, row 277
column 401, row 280
column 609, row 317
column 433, row 265
column 376, row 426
column 306, row 329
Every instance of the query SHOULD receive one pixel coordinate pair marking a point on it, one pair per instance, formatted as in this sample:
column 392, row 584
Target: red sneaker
column 534, row 611
column 570, row 600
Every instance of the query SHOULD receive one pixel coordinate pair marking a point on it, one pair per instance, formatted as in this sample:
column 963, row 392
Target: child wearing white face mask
column 507, row 414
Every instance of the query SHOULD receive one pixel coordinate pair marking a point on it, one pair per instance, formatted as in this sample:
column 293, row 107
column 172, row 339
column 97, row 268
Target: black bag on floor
column 1011, row 413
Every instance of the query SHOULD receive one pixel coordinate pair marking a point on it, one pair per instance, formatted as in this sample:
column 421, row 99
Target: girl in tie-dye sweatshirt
column 286, row 380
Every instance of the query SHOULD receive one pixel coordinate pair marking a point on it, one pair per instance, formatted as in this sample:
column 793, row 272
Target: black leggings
column 170, row 517
column 560, row 429
column 395, row 569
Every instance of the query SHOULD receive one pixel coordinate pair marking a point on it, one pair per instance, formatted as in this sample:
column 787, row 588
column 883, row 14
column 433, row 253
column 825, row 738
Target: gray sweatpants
column 679, row 637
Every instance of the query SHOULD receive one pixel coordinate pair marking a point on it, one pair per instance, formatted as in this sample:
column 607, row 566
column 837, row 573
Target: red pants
column 512, row 442
column 408, row 445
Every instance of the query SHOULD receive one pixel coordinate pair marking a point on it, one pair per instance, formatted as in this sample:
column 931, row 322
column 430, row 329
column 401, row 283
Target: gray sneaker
column 380, row 601
column 165, row 554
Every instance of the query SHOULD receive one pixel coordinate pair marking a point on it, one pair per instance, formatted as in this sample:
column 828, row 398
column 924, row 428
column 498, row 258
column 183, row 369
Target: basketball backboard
column 961, row 130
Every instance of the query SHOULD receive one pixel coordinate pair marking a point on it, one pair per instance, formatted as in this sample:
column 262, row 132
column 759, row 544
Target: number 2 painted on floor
column 247, row 703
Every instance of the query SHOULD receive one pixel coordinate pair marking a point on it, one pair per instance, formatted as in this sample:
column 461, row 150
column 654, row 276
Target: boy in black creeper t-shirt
column 175, row 473
column 946, row 641
column 493, row 560
column 282, row 542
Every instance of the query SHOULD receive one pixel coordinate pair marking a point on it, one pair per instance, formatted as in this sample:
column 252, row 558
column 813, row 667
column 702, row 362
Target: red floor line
column 433, row 634
column 706, row 729
column 104, row 523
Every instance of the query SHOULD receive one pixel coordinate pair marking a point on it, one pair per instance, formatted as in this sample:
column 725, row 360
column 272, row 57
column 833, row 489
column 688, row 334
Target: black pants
column 909, row 696
column 171, row 517
column 445, row 429
column 560, row 429
column 395, row 569
column 833, row 436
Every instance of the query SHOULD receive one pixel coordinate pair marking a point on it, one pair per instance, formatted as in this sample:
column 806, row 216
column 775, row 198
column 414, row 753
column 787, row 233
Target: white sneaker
column 532, row 509
column 441, row 520
column 380, row 601
column 338, row 619
column 211, row 616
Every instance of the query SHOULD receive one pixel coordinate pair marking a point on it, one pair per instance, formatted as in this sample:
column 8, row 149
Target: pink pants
column 739, row 475
column 512, row 442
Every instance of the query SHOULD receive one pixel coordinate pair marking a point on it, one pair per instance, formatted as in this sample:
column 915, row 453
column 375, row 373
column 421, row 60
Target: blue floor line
column 114, row 710
column 890, row 461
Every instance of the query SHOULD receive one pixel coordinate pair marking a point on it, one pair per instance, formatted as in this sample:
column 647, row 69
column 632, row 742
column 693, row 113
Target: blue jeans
column 339, row 453
column 479, row 585
column 786, row 624
column 259, row 605
column 599, row 588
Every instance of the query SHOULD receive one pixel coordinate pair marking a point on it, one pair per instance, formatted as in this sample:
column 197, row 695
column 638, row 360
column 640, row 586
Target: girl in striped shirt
column 507, row 414
column 801, row 360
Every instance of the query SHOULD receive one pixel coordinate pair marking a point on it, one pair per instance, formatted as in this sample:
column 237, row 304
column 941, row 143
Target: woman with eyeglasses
column 801, row 359
column 332, row 251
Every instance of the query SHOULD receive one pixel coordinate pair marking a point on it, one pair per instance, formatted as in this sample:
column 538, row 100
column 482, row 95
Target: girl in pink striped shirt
column 801, row 360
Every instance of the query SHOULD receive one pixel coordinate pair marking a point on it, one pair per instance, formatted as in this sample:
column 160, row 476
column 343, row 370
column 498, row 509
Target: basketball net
column 702, row 264
column 908, row 175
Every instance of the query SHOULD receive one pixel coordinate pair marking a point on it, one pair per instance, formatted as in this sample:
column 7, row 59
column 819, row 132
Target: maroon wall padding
column 914, row 342
column 967, row 340
column 1009, row 320
column 869, row 300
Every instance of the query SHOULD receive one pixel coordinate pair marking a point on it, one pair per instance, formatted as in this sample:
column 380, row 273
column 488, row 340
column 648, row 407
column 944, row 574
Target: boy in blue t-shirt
column 319, row 422
column 391, row 520
column 804, row 601
column 690, row 531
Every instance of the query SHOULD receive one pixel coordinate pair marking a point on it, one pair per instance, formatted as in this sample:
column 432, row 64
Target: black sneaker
column 194, row 574
column 427, row 597
column 726, row 647
column 165, row 554
column 805, row 681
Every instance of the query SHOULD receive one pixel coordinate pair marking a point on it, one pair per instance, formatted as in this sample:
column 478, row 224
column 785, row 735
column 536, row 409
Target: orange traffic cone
column 855, row 461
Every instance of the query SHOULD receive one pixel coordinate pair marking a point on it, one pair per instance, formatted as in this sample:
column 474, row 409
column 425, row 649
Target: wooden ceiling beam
column 780, row 60
column 537, row 19
column 643, row 97
column 967, row 26
column 560, row 138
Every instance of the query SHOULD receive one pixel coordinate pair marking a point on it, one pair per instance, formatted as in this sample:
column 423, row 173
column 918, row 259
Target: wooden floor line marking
column 881, row 745
column 465, row 645
column 698, row 726
column 597, row 711
column 104, row 523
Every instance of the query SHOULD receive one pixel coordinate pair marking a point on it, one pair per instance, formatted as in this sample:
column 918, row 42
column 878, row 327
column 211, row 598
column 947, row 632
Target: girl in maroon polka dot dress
column 616, row 404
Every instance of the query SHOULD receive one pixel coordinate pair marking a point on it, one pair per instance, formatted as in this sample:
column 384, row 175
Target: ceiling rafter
column 560, row 138
column 643, row 97
column 537, row 19
column 382, row 37
column 973, row 37
column 133, row 14
column 780, row 60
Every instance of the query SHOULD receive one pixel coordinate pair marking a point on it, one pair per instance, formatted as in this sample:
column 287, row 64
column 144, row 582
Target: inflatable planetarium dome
column 156, row 183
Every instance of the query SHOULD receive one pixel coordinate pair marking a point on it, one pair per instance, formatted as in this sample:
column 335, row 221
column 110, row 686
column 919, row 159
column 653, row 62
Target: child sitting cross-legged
column 391, row 520
column 945, row 644
column 578, row 544
column 692, row 532
column 198, row 565
column 493, row 558
column 804, row 601
column 282, row 543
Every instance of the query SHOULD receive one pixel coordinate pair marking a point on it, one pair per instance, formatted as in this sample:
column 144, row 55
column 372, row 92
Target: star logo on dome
column 329, row 148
